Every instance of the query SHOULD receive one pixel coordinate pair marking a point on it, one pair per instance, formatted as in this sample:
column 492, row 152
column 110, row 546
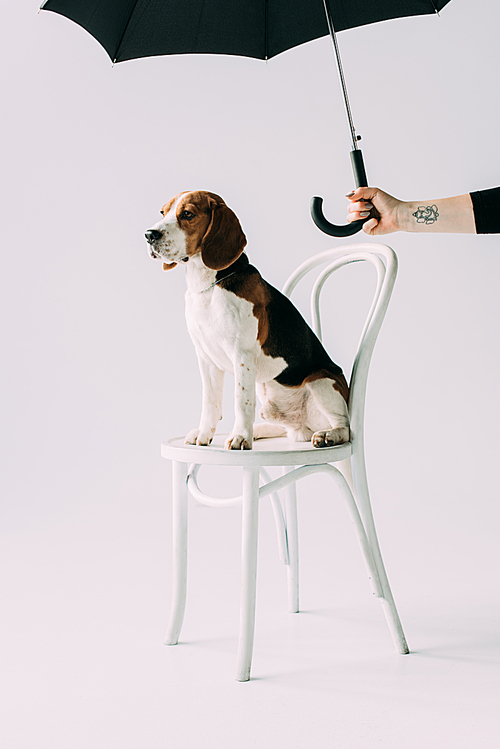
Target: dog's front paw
column 198, row 437
column 331, row 437
column 238, row 442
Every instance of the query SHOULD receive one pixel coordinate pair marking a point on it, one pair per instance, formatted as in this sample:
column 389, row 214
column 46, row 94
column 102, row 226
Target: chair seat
column 275, row 451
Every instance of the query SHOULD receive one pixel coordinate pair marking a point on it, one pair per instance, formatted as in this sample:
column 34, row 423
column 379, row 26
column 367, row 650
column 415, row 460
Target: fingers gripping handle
column 320, row 219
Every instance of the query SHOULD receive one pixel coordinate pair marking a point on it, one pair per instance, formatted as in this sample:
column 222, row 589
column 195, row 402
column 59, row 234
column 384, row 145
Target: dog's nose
column 152, row 235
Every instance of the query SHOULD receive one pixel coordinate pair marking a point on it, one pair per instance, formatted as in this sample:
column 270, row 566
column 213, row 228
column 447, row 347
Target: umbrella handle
column 320, row 219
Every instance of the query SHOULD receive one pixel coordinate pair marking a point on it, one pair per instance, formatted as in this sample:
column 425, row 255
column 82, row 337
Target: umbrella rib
column 266, row 30
column 115, row 56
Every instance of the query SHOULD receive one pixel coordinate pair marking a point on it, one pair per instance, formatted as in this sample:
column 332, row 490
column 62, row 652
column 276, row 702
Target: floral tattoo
column 426, row 214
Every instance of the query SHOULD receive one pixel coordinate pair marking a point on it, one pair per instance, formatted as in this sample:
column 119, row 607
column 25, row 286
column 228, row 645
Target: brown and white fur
column 241, row 324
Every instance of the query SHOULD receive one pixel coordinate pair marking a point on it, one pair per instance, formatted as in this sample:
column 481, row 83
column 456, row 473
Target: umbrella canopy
column 129, row 29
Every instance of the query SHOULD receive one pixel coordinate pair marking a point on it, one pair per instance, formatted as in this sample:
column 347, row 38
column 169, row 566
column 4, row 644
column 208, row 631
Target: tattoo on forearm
column 426, row 214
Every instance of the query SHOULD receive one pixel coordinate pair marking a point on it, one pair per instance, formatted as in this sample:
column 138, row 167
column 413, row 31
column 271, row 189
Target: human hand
column 386, row 211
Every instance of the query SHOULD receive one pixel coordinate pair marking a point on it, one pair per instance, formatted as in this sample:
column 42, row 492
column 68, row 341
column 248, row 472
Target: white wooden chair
column 350, row 479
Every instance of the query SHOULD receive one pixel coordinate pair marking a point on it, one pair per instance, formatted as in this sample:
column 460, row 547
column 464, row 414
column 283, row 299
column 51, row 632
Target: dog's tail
column 264, row 431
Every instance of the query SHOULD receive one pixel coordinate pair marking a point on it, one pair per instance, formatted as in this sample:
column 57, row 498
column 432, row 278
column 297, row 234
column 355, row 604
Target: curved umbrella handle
column 347, row 230
column 320, row 219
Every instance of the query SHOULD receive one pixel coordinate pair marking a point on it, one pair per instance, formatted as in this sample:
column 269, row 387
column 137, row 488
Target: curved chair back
column 386, row 264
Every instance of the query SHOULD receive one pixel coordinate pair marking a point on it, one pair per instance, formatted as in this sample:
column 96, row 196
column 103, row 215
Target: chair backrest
column 386, row 264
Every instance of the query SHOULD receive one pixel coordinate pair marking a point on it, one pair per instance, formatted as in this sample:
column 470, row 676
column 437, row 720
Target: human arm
column 455, row 215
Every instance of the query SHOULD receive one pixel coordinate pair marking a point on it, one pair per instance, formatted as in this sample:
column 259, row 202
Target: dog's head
column 194, row 222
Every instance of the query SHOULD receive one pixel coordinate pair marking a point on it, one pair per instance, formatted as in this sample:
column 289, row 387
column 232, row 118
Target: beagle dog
column 241, row 324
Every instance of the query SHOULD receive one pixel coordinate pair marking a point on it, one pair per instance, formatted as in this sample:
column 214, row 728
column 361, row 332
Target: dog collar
column 218, row 281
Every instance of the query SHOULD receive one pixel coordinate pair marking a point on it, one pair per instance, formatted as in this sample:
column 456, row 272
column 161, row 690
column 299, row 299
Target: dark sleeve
column 486, row 204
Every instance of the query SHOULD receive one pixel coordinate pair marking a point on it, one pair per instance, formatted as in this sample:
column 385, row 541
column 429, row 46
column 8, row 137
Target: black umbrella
column 128, row 29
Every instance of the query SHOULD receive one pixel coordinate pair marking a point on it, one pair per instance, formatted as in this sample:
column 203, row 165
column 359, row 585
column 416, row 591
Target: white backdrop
column 98, row 367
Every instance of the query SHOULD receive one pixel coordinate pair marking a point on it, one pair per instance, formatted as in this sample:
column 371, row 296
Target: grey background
column 97, row 364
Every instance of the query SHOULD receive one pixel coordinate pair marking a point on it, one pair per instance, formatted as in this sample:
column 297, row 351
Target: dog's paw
column 330, row 437
column 197, row 437
column 238, row 442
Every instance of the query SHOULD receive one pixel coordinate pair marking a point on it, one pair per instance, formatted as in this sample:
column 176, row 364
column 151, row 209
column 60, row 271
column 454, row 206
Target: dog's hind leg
column 334, row 408
column 285, row 411
column 266, row 430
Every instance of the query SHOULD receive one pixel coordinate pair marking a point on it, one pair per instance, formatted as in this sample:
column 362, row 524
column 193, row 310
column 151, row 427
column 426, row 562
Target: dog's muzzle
column 152, row 236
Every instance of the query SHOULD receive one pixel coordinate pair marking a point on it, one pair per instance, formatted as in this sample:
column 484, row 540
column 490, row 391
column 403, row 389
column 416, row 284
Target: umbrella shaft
column 341, row 74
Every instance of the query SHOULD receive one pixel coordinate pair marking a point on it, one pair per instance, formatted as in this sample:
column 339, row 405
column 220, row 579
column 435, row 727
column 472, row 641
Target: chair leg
column 365, row 509
column 179, row 506
column 293, row 544
column 345, row 469
column 250, row 519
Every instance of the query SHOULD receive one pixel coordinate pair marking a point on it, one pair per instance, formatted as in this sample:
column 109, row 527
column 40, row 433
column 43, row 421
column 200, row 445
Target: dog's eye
column 187, row 215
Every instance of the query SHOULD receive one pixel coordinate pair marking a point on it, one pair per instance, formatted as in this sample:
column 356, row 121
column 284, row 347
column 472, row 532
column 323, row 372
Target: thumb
column 370, row 226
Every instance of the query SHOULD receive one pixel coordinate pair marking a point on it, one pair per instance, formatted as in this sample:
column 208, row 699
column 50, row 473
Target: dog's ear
column 169, row 266
column 224, row 240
